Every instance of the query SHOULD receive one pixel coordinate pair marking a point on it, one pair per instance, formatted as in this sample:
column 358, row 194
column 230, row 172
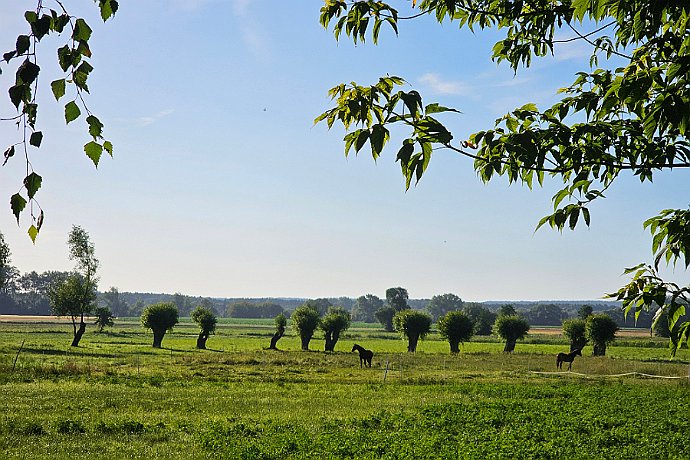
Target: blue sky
column 221, row 185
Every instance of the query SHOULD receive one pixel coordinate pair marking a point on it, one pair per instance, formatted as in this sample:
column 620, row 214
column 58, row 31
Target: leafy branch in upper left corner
column 73, row 59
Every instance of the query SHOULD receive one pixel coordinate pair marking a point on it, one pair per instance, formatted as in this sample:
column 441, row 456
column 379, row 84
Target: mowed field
column 117, row 397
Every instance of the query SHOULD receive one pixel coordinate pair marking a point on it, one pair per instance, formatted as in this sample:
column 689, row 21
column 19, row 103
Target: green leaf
column 32, row 182
column 39, row 221
column 17, row 203
column 108, row 8
column 543, row 221
column 436, row 108
column 94, row 151
column 95, row 126
column 82, row 31
column 405, row 153
column 33, row 233
column 9, row 153
column 41, row 27
column 530, row 107
column 558, row 197
column 72, row 112
column 30, row 17
column 108, row 147
column 511, row 124
column 574, row 214
column 58, row 87
column 378, row 138
column 362, row 138
column 23, row 44
column 412, row 100
column 36, row 138
column 17, row 94
column 65, row 57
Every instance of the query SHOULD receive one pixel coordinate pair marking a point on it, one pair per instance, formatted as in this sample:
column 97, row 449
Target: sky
column 222, row 186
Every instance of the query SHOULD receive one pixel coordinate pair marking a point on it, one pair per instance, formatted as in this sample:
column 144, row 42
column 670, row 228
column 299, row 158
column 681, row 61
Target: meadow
column 117, row 397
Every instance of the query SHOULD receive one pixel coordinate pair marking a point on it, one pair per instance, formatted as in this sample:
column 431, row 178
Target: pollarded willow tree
column 206, row 320
column 632, row 119
column 280, row 323
column 511, row 329
column 334, row 323
column 305, row 319
column 104, row 318
column 49, row 18
column 456, row 327
column 160, row 318
column 600, row 329
column 574, row 330
column 412, row 325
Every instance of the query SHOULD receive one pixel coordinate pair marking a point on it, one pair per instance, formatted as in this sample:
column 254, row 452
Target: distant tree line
column 252, row 310
column 28, row 294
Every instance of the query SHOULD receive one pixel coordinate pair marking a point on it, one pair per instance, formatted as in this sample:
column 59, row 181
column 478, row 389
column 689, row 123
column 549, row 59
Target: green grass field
column 117, row 397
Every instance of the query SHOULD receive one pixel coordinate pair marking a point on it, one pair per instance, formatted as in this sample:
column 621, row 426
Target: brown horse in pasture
column 364, row 355
column 567, row 358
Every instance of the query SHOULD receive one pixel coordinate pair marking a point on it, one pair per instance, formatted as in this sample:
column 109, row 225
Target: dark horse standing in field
column 364, row 355
column 567, row 358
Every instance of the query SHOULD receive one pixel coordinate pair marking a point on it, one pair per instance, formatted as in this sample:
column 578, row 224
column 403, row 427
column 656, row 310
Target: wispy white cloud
column 241, row 7
column 439, row 85
column 569, row 50
column 150, row 119
column 251, row 32
column 481, row 83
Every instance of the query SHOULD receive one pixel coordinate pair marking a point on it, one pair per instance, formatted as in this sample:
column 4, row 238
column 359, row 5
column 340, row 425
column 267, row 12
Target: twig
column 17, row 355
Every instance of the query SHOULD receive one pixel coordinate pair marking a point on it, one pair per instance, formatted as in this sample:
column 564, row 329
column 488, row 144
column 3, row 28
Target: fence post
column 385, row 372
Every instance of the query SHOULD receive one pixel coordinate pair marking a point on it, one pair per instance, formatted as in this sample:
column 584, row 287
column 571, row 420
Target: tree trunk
column 274, row 340
column 510, row 346
column 305, row 341
column 577, row 345
column 454, row 346
column 599, row 349
column 78, row 333
column 201, row 340
column 158, row 337
column 331, row 340
column 412, row 343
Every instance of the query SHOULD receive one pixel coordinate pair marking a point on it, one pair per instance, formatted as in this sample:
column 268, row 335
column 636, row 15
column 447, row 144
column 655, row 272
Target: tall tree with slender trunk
column 76, row 296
